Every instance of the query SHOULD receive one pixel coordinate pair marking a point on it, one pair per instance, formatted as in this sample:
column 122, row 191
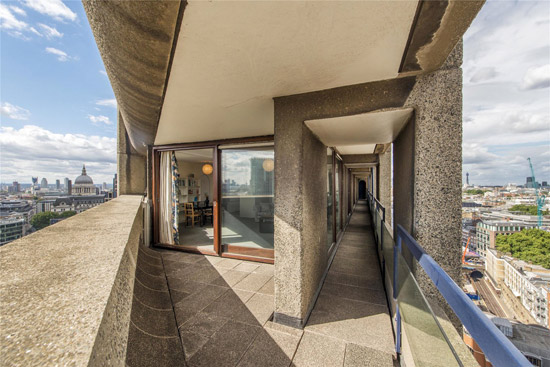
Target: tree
column 528, row 245
column 67, row 214
column 42, row 220
column 475, row 192
column 526, row 209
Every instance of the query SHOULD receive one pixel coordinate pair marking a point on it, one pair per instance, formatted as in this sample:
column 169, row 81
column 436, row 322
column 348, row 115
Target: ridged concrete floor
column 207, row 311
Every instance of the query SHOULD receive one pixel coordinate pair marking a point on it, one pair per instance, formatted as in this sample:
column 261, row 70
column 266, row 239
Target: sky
column 58, row 110
column 506, row 107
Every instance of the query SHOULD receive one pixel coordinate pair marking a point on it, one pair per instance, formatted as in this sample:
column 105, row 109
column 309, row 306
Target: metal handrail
column 494, row 344
column 378, row 205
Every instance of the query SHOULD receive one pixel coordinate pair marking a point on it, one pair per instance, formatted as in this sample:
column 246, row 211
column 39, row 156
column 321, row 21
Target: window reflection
column 247, row 205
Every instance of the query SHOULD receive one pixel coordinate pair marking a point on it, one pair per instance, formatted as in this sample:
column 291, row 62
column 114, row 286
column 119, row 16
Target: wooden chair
column 191, row 213
column 208, row 214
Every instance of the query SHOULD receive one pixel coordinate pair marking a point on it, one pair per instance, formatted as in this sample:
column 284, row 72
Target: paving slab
column 319, row 350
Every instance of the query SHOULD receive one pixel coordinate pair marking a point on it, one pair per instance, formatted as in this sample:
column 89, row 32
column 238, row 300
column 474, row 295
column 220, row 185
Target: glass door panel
column 247, row 205
column 330, row 193
column 338, row 176
column 195, row 199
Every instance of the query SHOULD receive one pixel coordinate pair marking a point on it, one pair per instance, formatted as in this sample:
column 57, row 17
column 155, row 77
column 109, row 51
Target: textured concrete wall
column 131, row 166
column 70, row 289
column 111, row 342
column 314, row 219
column 385, row 183
column 403, row 177
column 437, row 99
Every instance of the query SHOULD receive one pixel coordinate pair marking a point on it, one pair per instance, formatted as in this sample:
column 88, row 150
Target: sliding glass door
column 247, row 201
column 216, row 199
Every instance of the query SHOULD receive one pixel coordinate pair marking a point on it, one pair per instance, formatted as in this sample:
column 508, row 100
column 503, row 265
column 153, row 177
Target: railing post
column 382, row 221
column 396, row 253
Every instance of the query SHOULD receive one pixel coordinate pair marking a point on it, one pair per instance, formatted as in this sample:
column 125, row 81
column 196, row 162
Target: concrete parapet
column 67, row 289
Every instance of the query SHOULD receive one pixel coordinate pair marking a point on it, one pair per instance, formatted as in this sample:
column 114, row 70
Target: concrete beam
column 135, row 40
column 359, row 158
column 438, row 27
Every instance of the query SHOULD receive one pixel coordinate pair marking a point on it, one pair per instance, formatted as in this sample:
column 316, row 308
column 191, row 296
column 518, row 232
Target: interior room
column 195, row 197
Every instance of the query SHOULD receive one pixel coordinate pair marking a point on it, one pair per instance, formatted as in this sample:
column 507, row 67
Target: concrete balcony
column 67, row 289
column 86, row 291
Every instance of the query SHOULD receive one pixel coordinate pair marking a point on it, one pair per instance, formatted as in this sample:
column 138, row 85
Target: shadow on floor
column 197, row 310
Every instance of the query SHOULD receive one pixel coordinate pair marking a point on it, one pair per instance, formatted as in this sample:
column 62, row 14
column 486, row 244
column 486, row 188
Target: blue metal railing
column 497, row 348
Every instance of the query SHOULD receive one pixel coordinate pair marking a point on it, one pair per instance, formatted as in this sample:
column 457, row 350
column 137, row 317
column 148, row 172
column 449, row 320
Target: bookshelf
column 189, row 188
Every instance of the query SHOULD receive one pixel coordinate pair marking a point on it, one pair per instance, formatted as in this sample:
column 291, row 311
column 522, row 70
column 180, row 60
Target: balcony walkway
column 207, row 311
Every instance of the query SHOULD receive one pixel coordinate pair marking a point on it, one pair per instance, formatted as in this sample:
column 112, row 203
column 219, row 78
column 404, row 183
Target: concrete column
column 437, row 100
column 385, row 183
column 131, row 166
column 300, row 217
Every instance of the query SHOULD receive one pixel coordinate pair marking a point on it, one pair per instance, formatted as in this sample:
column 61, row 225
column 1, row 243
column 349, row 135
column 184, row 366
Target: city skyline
column 49, row 127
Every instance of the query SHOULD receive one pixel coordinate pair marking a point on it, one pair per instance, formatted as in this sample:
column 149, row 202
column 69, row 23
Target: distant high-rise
column 44, row 183
column 115, row 186
column 16, row 186
column 104, row 186
column 66, row 184
column 34, row 181
column 467, row 179
column 69, row 187
column 57, row 185
column 545, row 183
column 261, row 176
column 529, row 183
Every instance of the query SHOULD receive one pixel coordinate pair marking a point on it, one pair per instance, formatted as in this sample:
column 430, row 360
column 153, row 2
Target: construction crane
column 465, row 250
column 539, row 200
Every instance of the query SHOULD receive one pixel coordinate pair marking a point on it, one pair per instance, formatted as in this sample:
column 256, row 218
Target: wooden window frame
column 215, row 145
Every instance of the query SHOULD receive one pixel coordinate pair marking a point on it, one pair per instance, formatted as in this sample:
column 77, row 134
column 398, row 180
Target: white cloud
column 506, row 102
column 61, row 55
column 8, row 21
column 53, row 8
column 107, row 102
column 537, row 77
column 14, row 112
column 483, row 74
column 100, row 119
column 103, row 72
column 17, row 10
column 50, row 32
column 33, row 30
column 34, row 151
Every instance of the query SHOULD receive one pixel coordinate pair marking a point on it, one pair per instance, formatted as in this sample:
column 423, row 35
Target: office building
column 529, row 284
column 487, row 232
column 11, row 229
column 114, row 186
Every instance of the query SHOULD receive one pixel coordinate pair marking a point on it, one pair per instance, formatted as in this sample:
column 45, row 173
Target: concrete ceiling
column 359, row 134
column 232, row 58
